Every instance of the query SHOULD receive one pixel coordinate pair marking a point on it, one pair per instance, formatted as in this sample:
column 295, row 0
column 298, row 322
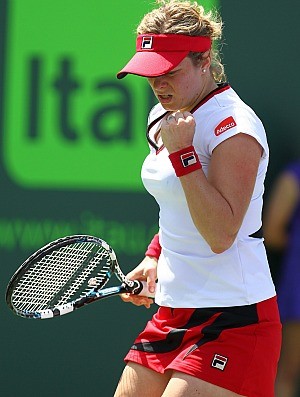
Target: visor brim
column 152, row 64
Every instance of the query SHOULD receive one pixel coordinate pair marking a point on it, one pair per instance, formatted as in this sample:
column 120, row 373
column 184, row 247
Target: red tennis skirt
column 236, row 348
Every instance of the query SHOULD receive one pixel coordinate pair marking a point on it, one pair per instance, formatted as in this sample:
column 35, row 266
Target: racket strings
column 58, row 276
column 82, row 278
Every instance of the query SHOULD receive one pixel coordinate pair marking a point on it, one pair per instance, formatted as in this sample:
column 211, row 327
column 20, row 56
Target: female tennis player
column 217, row 331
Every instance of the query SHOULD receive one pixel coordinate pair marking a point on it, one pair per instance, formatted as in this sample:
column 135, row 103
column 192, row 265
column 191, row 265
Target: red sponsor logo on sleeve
column 225, row 125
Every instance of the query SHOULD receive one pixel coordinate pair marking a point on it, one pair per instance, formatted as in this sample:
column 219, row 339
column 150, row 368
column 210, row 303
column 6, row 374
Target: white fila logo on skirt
column 219, row 362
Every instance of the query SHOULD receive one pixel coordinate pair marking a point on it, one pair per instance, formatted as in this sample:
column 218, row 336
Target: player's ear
column 206, row 61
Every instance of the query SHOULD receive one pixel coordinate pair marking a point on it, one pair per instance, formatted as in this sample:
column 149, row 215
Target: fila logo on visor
column 219, row 362
column 188, row 159
column 147, row 43
column 225, row 125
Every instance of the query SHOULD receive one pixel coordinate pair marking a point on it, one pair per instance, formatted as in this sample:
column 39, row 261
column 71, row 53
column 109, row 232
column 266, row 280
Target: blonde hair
column 188, row 18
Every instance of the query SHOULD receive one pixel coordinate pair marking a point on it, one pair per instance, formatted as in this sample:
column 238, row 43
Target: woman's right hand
column 145, row 271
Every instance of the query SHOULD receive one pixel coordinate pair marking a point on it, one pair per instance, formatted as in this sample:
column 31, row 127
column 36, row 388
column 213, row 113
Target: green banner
column 69, row 123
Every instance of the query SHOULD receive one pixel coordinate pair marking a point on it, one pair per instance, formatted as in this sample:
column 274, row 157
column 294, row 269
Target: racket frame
column 96, row 293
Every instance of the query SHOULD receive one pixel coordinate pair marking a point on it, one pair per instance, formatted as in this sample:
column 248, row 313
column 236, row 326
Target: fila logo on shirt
column 219, row 362
column 147, row 43
column 225, row 125
column 188, row 158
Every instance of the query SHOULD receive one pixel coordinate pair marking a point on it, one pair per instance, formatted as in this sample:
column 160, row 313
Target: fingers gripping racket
column 65, row 275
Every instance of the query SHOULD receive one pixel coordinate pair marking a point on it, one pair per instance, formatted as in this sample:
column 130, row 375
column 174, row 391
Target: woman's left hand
column 145, row 271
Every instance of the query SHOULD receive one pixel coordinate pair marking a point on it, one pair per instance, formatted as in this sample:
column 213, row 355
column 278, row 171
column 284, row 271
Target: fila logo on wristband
column 185, row 161
column 188, row 159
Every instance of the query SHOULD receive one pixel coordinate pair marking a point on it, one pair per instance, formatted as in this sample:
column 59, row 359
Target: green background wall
column 72, row 143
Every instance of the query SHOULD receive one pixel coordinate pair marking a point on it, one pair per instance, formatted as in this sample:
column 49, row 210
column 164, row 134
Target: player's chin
column 169, row 108
column 168, row 103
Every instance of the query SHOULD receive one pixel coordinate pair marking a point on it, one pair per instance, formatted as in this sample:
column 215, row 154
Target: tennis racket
column 65, row 275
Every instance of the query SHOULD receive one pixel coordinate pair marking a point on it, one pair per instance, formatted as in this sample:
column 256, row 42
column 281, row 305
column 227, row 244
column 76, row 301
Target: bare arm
column 219, row 202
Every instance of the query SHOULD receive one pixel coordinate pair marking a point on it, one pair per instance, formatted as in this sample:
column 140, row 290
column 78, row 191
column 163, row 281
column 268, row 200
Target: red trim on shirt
column 216, row 91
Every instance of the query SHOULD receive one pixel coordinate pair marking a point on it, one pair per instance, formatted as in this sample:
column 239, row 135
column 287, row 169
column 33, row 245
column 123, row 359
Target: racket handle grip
column 142, row 289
